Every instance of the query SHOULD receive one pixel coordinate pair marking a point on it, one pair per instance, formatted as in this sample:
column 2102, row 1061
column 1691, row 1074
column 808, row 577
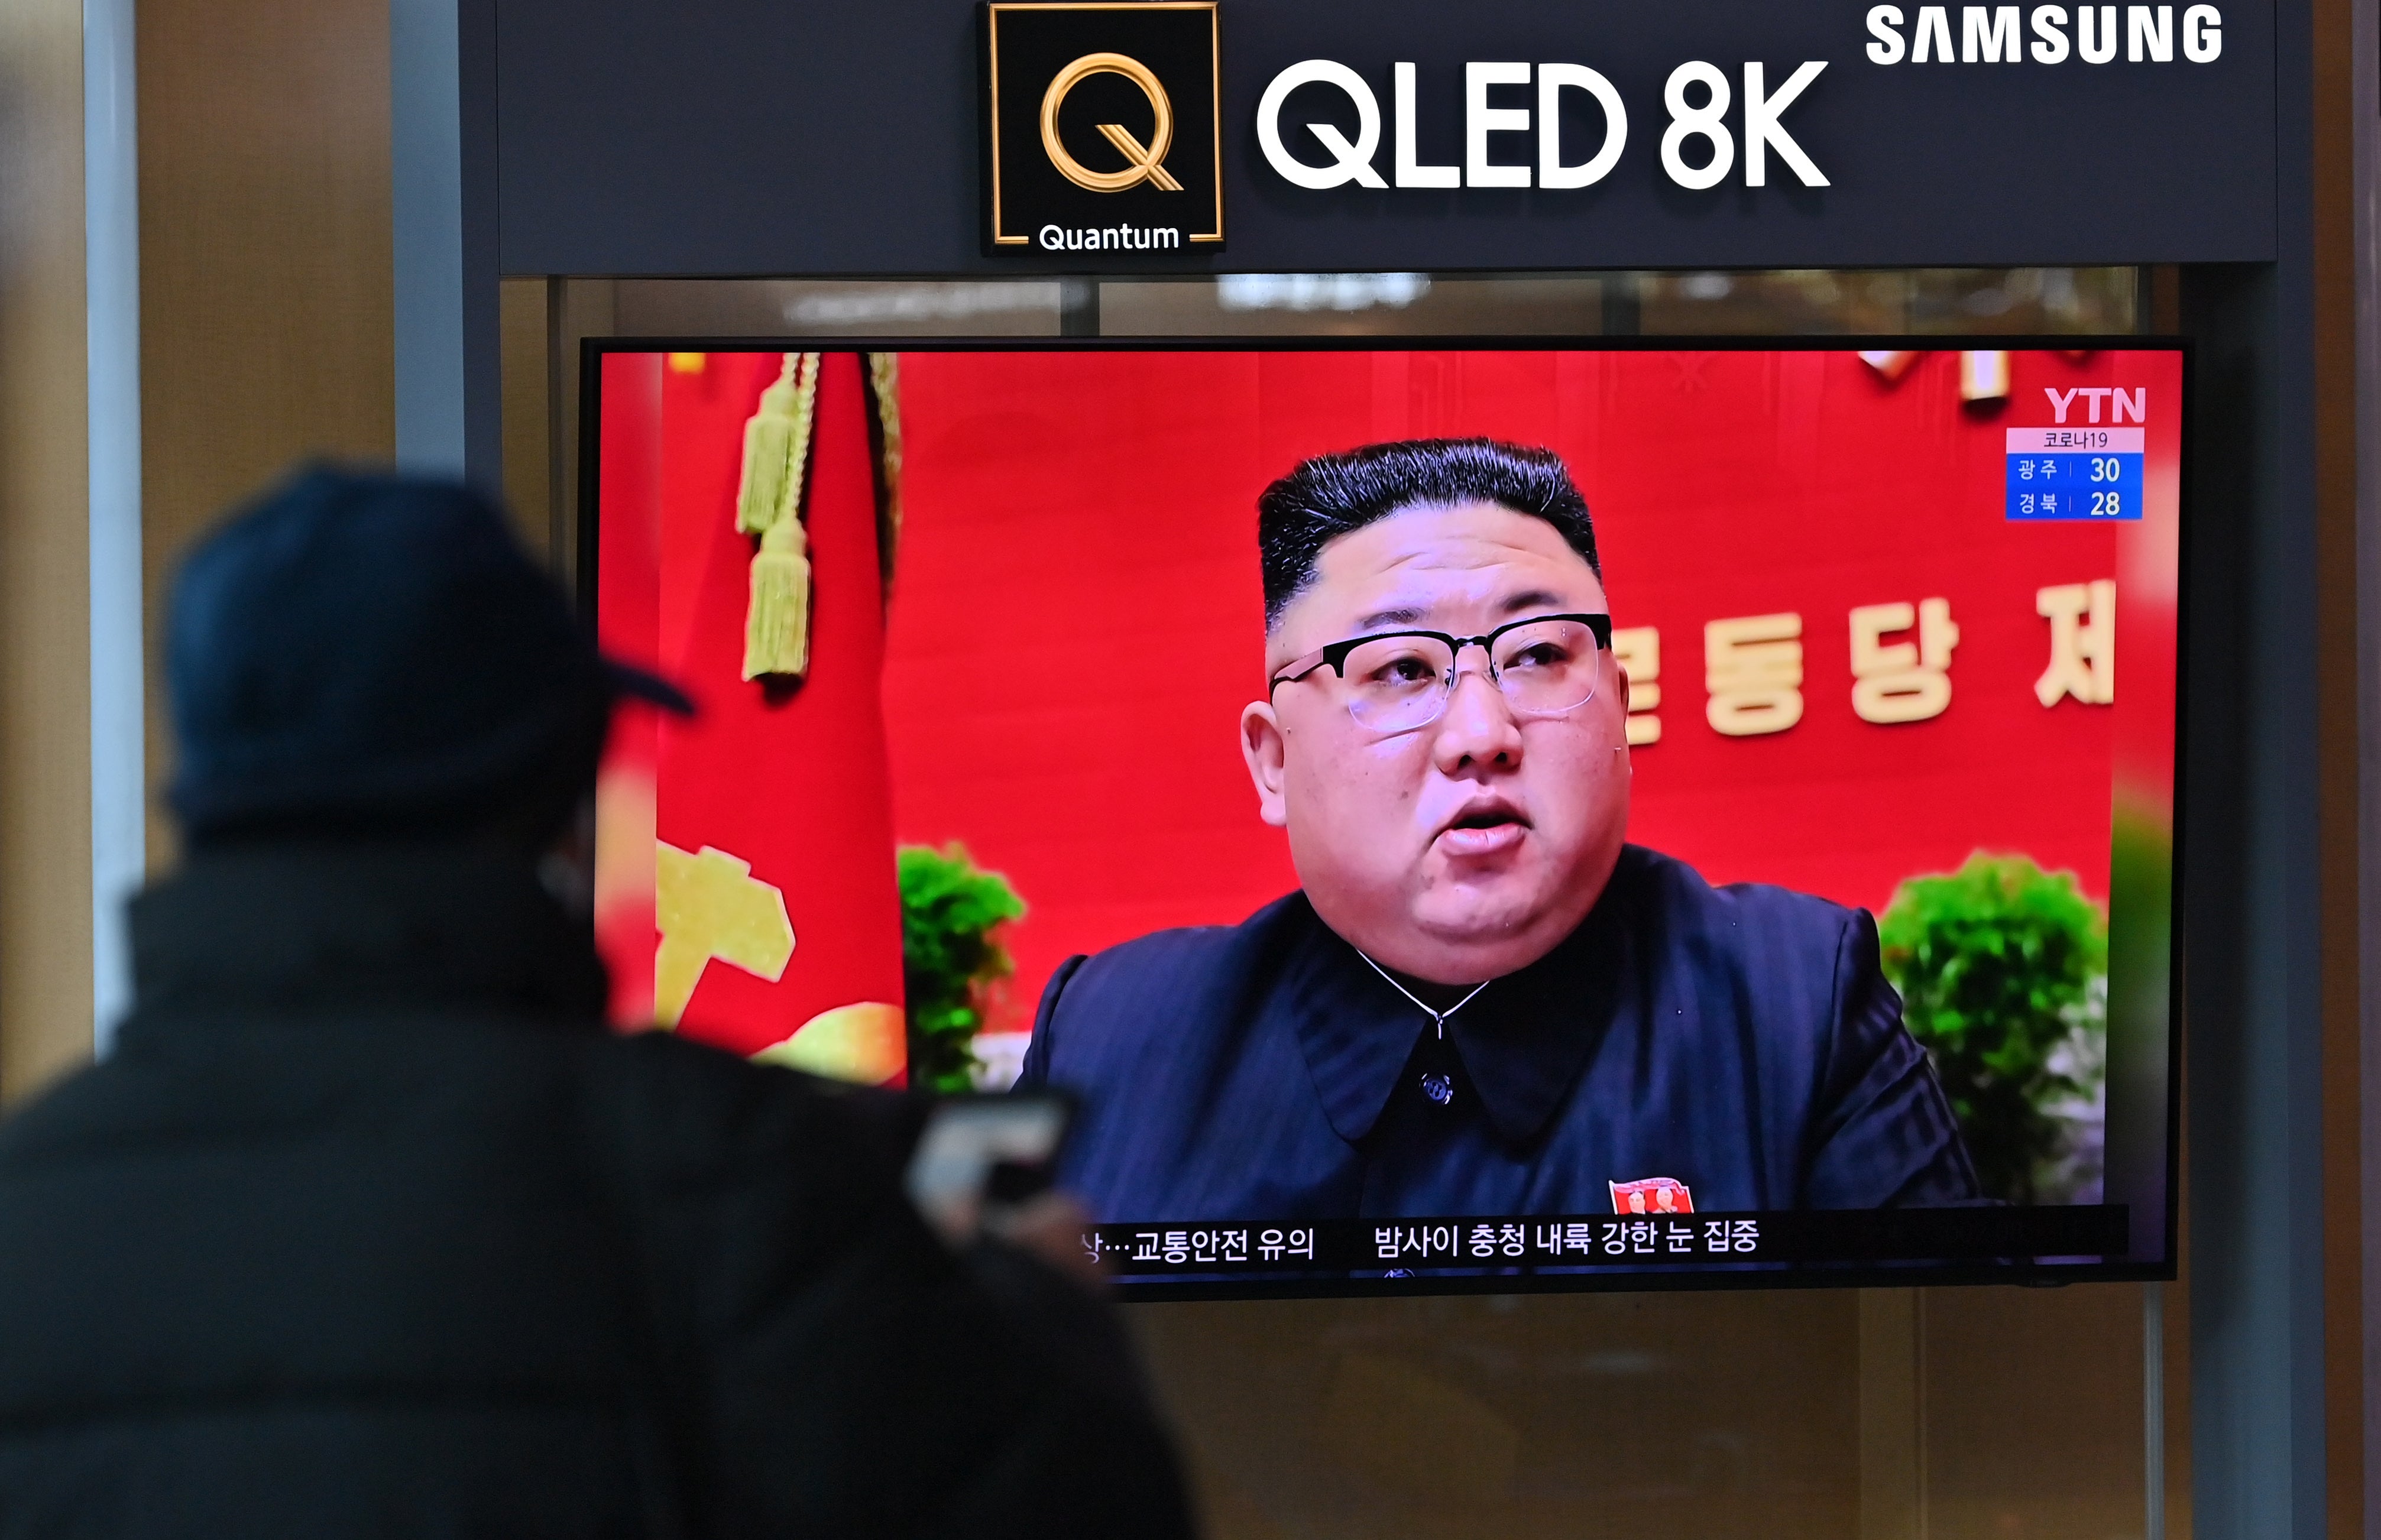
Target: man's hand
column 1049, row 1228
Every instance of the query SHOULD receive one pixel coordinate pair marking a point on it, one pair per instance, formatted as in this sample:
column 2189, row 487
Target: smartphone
column 981, row 1154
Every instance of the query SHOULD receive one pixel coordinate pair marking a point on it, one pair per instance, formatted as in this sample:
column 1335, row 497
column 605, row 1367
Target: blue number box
column 2093, row 475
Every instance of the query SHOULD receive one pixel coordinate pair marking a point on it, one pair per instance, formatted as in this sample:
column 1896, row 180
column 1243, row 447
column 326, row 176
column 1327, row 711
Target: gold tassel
column 885, row 377
column 768, row 446
column 769, row 504
column 777, row 621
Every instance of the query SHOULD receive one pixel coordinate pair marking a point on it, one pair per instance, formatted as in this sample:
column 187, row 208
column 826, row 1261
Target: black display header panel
column 743, row 138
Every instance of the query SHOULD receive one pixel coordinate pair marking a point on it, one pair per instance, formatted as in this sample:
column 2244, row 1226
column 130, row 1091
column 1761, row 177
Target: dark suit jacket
column 370, row 1227
column 1739, row 1040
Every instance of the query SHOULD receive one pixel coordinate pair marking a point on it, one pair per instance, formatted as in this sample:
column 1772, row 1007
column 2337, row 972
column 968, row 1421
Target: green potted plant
column 2000, row 964
column 951, row 909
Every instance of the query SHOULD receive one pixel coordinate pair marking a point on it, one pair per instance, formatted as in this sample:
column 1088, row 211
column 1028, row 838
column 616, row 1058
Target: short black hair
column 1330, row 495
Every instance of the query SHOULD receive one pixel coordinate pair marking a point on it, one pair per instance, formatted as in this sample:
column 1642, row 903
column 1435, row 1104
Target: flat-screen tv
column 1464, row 816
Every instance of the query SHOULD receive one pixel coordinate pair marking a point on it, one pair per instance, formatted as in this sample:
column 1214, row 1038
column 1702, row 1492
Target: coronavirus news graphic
column 1683, row 785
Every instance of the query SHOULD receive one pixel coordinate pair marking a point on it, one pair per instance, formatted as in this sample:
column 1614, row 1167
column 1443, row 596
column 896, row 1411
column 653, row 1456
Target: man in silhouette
column 369, row 1226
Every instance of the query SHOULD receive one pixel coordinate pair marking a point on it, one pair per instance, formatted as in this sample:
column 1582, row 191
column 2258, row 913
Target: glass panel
column 2032, row 1413
column 772, row 306
column 1921, row 301
column 1353, row 304
column 1880, row 1414
column 2010, row 300
column 1611, row 1415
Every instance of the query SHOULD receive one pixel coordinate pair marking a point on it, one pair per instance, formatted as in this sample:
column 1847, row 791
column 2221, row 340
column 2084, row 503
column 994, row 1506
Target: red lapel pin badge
column 1651, row 1195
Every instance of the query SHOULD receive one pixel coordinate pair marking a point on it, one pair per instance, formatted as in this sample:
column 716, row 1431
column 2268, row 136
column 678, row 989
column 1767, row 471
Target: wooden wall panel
column 2338, row 686
column 524, row 368
column 45, row 976
column 265, row 263
column 1724, row 1416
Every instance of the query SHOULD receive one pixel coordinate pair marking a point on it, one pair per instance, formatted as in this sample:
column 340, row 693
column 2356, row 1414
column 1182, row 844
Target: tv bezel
column 2023, row 1272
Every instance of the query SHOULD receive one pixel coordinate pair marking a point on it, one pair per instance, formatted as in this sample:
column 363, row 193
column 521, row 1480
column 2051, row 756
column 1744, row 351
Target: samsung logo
column 1989, row 34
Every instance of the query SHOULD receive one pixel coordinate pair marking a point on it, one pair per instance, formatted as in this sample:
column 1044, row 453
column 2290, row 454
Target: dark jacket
column 367, row 1228
column 1739, row 1040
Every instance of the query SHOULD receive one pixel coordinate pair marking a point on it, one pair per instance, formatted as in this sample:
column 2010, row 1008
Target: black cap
column 362, row 646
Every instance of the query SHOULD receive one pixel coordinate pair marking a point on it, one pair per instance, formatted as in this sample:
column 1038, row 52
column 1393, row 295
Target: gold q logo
column 1143, row 164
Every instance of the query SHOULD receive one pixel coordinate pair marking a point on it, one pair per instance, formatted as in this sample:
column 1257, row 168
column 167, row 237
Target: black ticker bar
column 1786, row 1238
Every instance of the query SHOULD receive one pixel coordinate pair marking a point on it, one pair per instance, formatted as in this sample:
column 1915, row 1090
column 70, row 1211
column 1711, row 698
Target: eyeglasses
column 1400, row 680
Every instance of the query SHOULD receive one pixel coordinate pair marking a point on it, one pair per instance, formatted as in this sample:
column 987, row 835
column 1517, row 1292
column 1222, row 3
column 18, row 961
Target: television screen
column 1481, row 816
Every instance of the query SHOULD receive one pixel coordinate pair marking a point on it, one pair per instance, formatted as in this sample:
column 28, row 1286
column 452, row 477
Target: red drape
column 789, row 777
